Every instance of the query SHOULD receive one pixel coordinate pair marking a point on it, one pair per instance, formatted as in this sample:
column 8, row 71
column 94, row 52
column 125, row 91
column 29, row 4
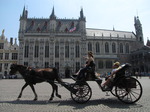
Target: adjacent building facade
column 8, row 54
column 63, row 43
column 140, row 60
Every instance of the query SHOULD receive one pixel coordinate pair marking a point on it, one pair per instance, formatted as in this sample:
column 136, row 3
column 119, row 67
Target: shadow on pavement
column 112, row 103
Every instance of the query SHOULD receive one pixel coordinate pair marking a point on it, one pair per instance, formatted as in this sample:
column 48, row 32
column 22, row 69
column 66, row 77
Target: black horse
column 33, row 76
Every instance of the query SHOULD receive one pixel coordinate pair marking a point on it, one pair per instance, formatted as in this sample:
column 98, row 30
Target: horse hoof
column 35, row 99
column 50, row 99
column 59, row 96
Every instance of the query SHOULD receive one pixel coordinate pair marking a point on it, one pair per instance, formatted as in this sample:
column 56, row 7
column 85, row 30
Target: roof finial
column 3, row 31
column 52, row 16
column 113, row 28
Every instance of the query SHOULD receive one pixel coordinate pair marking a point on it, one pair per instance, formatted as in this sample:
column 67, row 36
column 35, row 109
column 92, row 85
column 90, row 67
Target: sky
column 100, row 14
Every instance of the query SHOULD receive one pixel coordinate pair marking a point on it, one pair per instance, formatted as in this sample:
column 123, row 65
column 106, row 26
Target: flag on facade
column 72, row 29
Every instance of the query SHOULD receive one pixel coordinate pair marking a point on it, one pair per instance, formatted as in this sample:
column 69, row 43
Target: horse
column 33, row 76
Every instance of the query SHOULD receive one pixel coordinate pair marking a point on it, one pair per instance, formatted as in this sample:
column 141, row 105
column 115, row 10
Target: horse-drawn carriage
column 126, row 88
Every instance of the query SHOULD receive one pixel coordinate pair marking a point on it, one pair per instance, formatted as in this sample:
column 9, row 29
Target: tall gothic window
column 57, row 65
column 108, row 64
column 77, row 66
column 14, row 56
column 77, row 50
column 46, row 50
column 121, row 48
column 100, row 64
column 1, row 45
column 97, row 48
column 36, row 50
column 26, row 63
column 89, row 46
column 67, row 50
column 57, row 50
column 114, row 48
column 26, row 50
column 46, row 64
column 6, row 56
column 127, row 48
column 1, row 55
column 106, row 47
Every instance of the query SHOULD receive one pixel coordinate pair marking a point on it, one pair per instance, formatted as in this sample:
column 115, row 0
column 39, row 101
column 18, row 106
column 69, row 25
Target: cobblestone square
column 99, row 102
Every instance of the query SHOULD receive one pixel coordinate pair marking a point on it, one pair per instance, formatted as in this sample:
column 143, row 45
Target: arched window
column 106, row 47
column 121, row 48
column 89, row 46
column 46, row 50
column 67, row 50
column 113, row 48
column 57, row 50
column 127, row 48
column 97, row 48
column 77, row 49
column 36, row 50
column 26, row 50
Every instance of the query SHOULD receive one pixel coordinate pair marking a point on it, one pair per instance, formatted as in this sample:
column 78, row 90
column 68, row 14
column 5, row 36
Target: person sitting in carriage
column 89, row 65
column 106, row 85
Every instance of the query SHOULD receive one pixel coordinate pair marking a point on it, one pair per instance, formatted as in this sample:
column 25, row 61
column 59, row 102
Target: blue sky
column 100, row 14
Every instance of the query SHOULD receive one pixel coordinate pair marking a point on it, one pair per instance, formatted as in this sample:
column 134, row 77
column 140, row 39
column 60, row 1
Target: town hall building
column 63, row 43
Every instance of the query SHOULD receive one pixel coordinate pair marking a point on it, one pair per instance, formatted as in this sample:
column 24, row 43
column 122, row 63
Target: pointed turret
column 3, row 36
column 24, row 14
column 52, row 16
column 82, row 24
column 82, row 15
column 138, row 29
column 148, row 42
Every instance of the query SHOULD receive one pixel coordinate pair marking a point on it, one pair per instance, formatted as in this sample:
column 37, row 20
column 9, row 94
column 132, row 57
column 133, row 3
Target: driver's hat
column 116, row 64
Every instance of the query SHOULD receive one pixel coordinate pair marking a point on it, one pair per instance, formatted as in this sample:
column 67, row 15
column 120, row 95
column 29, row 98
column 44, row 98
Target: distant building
column 140, row 60
column 63, row 42
column 8, row 54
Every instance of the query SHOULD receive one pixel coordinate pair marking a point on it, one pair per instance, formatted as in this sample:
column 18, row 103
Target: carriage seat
column 122, row 69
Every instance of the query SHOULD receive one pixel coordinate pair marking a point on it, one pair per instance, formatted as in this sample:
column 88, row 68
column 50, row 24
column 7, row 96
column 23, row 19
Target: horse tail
column 57, row 76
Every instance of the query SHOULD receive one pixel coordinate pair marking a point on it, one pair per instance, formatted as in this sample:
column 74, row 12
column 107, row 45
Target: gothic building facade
column 63, row 43
column 8, row 54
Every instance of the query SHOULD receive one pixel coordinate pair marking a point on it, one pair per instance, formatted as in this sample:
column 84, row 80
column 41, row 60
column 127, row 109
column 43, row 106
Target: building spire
column 138, row 29
column 82, row 15
column 24, row 13
column 3, row 36
column 113, row 28
column 148, row 42
column 52, row 16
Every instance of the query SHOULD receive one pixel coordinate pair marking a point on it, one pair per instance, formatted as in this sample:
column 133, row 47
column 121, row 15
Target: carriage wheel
column 127, row 92
column 83, row 93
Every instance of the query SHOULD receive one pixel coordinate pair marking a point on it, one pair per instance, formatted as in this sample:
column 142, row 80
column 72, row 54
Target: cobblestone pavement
column 99, row 102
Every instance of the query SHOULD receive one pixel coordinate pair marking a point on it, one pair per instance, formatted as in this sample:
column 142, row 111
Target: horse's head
column 13, row 69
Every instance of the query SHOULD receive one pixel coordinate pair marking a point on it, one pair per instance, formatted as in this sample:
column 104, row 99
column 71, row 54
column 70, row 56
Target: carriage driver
column 89, row 64
column 106, row 85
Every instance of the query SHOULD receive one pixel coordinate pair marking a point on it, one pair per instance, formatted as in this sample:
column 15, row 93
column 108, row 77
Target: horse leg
column 59, row 96
column 22, row 90
column 53, row 87
column 32, row 87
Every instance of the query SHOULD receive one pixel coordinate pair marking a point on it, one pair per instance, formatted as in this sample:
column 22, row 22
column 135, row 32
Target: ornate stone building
column 140, row 59
column 8, row 54
column 63, row 43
